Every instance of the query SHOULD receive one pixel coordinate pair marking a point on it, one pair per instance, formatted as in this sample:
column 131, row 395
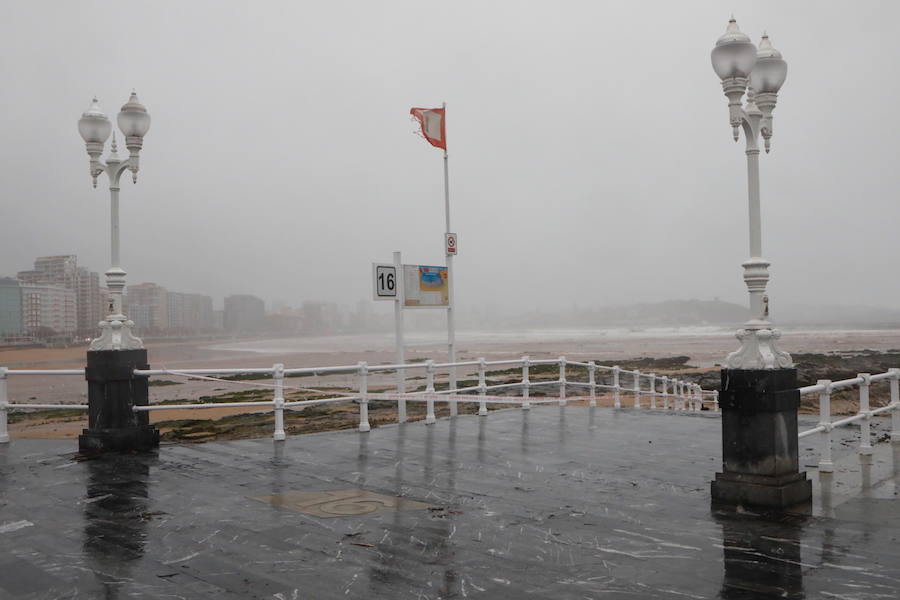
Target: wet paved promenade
column 580, row 503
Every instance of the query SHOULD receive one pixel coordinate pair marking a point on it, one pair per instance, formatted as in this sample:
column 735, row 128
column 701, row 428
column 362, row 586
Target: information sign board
column 425, row 287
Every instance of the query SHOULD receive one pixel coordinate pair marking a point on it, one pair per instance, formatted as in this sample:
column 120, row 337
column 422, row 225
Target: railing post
column 562, row 380
column 637, row 388
column 592, row 382
column 865, row 442
column 698, row 397
column 895, row 402
column 4, row 406
column 526, row 405
column 364, row 397
column 429, row 392
column 482, row 388
column 665, row 391
column 652, row 377
column 278, row 374
column 616, row 398
column 825, row 463
column 716, row 400
column 679, row 394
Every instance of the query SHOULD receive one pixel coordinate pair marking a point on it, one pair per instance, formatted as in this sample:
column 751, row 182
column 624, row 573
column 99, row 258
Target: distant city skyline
column 58, row 298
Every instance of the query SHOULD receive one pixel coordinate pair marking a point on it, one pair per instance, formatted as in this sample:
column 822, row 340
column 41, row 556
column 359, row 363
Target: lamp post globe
column 770, row 71
column 134, row 121
column 766, row 80
column 94, row 125
column 734, row 54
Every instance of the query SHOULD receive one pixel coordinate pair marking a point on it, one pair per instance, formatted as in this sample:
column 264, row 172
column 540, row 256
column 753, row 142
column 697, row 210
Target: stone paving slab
column 551, row 503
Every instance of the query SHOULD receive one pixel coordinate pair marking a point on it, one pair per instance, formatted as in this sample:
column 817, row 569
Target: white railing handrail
column 682, row 394
column 45, row 371
column 673, row 392
column 824, row 388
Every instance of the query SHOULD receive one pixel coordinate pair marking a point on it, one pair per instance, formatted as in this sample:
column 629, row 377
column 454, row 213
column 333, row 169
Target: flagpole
column 451, row 329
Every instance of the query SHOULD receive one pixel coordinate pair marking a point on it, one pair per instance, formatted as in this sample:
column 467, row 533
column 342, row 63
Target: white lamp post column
column 94, row 127
column 760, row 398
column 738, row 63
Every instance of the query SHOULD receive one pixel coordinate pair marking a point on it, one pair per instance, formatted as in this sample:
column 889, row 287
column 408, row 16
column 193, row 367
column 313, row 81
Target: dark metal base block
column 113, row 392
column 131, row 439
column 779, row 492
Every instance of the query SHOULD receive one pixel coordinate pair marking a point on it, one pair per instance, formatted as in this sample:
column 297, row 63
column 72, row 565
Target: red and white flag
column 432, row 122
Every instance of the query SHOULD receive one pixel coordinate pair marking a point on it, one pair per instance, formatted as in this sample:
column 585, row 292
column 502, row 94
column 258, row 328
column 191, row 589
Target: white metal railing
column 671, row 393
column 662, row 392
column 825, row 387
column 5, row 406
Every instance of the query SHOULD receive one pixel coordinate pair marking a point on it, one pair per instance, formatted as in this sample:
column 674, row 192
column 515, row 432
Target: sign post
column 398, row 335
column 387, row 284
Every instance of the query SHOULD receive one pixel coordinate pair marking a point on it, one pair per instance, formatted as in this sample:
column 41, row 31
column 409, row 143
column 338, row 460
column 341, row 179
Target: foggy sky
column 591, row 159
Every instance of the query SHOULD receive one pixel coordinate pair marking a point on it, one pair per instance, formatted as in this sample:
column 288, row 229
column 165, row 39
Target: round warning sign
column 450, row 239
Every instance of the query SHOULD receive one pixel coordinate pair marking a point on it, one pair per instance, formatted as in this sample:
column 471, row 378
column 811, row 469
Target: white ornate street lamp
column 738, row 63
column 94, row 127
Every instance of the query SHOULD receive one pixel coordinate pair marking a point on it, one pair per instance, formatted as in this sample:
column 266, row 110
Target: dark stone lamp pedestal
column 759, row 440
column 113, row 390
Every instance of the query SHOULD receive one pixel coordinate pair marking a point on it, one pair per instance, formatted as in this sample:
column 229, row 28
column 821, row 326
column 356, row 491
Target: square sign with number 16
column 385, row 281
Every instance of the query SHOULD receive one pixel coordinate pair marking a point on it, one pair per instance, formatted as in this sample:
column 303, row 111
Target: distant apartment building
column 10, row 307
column 63, row 271
column 148, row 306
column 58, row 270
column 89, row 301
column 244, row 314
column 48, row 311
column 190, row 313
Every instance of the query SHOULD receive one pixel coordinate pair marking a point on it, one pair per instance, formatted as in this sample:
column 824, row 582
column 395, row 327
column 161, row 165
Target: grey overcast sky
column 591, row 158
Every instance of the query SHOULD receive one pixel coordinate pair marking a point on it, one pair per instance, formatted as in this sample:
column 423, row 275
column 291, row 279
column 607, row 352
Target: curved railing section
column 645, row 390
column 825, row 388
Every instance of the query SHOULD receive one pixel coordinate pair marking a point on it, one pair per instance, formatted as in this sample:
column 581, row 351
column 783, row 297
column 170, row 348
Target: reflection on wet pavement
column 586, row 503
